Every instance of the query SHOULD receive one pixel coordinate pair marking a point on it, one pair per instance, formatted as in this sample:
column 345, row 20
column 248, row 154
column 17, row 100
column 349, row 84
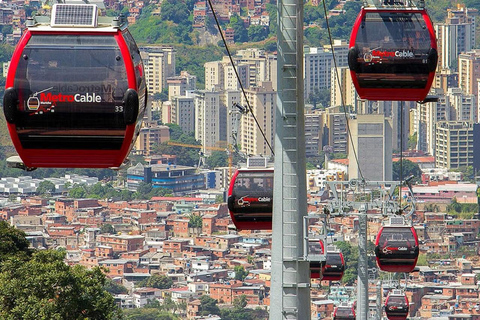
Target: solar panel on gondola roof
column 66, row 15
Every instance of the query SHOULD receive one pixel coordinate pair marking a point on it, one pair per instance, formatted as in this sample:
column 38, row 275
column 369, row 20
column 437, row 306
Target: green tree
column 44, row 287
column 240, row 272
column 156, row 281
column 107, row 228
column 257, row 33
column 240, row 32
column 408, row 169
column 422, row 260
column 217, row 159
column 240, row 302
column 468, row 173
column 113, row 287
column 148, row 314
column 219, row 199
column 412, row 141
column 195, row 221
column 174, row 10
column 77, row 191
column 13, row 242
column 208, row 306
column 45, row 188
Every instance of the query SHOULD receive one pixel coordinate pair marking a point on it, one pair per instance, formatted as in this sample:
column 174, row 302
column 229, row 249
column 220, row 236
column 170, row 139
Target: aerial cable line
column 341, row 93
column 238, row 78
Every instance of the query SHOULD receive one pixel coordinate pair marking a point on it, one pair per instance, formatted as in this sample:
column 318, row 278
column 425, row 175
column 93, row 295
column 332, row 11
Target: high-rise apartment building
column 462, row 105
column 427, row 116
column 159, row 63
column 318, row 64
column 334, row 130
column 252, row 65
column 454, row 144
column 179, row 85
column 262, row 66
column 455, row 36
column 184, row 114
column 313, row 123
column 210, row 119
column 342, row 91
column 263, row 101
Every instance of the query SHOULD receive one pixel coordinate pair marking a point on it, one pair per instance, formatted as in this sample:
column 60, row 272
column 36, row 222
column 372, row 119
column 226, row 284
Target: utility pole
column 290, row 290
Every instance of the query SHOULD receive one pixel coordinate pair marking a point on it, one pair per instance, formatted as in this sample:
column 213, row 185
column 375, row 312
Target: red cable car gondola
column 396, row 246
column 250, row 199
column 396, row 305
column 393, row 54
column 344, row 312
column 75, row 90
column 334, row 266
column 316, row 267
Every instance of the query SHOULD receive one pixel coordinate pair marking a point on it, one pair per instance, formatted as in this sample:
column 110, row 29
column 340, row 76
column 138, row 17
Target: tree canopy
column 40, row 285
column 408, row 169
column 156, row 281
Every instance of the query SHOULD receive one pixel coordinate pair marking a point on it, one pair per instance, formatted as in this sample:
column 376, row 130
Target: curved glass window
column 71, row 89
column 393, row 49
column 252, row 196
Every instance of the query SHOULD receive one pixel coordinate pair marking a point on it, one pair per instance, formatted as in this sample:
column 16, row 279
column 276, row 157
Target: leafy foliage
column 156, row 281
column 408, row 168
column 208, row 306
column 102, row 191
column 462, row 210
column 217, row 159
column 45, row 188
column 174, row 10
column 240, row 32
column 12, row 242
column 107, row 228
column 113, row 287
column 42, row 286
column 240, row 273
column 148, row 314
column 195, row 221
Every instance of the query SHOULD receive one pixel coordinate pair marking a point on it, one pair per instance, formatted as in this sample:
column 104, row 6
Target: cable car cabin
column 250, row 199
column 396, row 246
column 75, row 90
column 344, row 312
column 316, row 267
column 396, row 305
column 393, row 54
column 334, row 265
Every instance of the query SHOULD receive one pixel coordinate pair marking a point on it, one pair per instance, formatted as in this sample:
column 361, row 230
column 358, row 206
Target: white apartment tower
column 462, row 106
column 262, row 66
column 159, row 63
column 454, row 144
column 428, row 115
column 455, row 36
column 342, row 91
column 318, row 64
column 263, row 101
column 210, row 119
column 184, row 112
column 253, row 66
column 179, row 85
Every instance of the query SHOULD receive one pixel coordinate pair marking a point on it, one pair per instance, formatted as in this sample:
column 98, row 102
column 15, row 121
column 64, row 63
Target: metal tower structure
column 364, row 198
column 290, row 289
